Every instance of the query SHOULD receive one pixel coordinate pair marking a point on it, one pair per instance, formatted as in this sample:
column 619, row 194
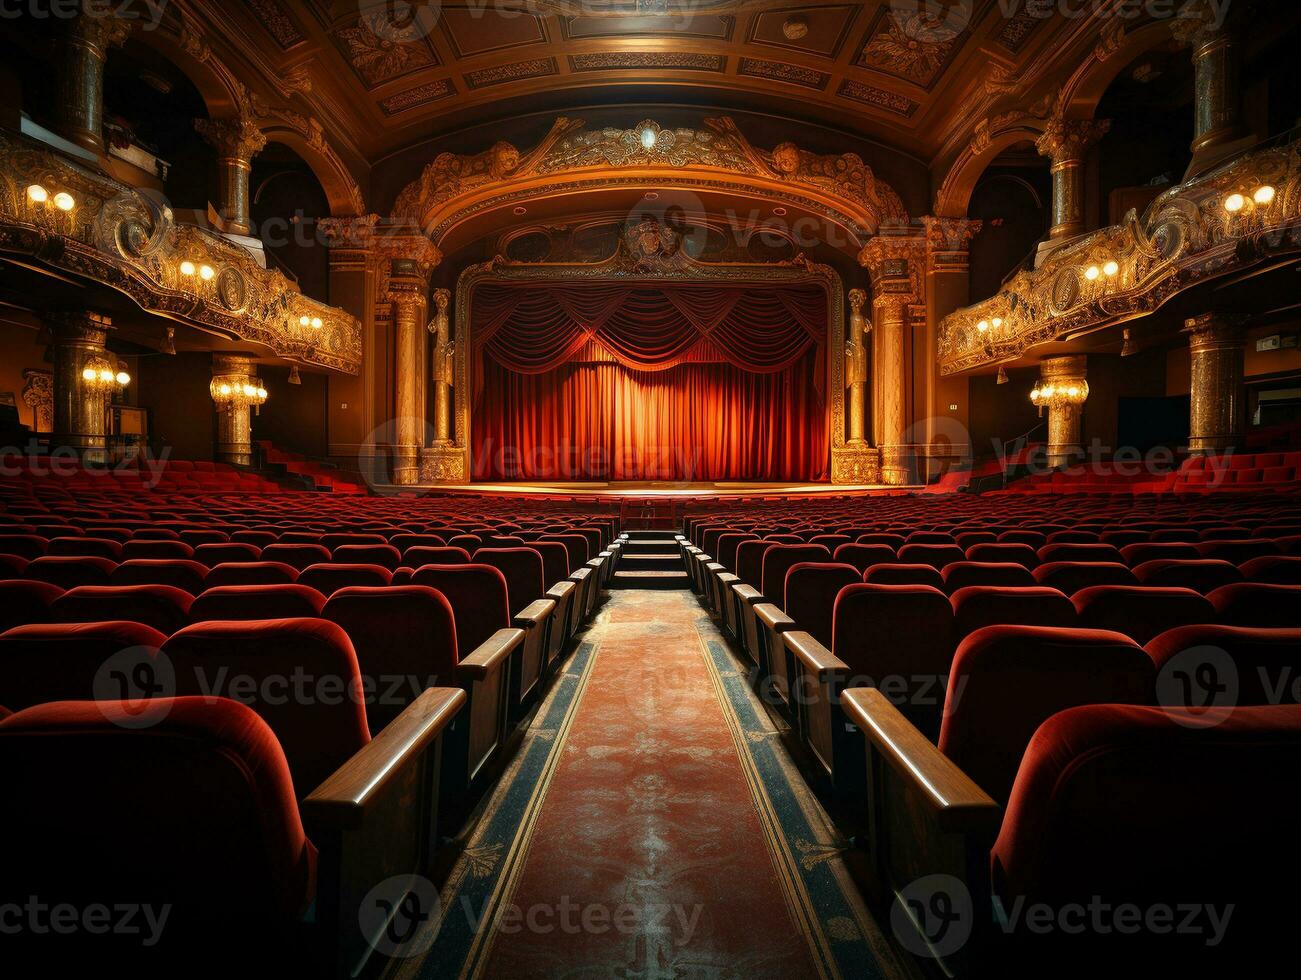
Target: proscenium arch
column 954, row 196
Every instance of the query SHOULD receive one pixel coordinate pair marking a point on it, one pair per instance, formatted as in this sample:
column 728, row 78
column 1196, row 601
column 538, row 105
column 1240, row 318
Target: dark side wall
column 20, row 348
column 294, row 417
column 175, row 390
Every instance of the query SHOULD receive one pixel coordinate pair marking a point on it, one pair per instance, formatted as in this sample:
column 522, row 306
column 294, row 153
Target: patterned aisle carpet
column 651, row 826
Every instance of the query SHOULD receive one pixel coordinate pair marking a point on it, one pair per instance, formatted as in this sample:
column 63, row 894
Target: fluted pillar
column 79, row 413
column 1067, row 142
column 237, row 141
column 1217, row 64
column 444, row 368
column 1065, row 412
column 1217, row 346
column 80, row 107
column 408, row 301
column 235, row 420
column 890, row 312
column 856, row 370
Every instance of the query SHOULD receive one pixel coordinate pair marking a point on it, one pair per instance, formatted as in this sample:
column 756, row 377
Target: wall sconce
column 101, row 378
column 234, row 391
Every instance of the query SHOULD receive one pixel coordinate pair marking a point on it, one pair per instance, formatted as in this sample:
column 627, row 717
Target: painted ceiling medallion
column 380, row 51
column 795, row 28
column 915, row 48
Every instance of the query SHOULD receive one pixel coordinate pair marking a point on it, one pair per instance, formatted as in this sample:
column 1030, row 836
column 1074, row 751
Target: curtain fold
column 619, row 381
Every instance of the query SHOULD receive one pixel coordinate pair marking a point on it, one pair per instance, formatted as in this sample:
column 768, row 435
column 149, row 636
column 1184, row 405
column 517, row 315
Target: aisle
column 653, row 828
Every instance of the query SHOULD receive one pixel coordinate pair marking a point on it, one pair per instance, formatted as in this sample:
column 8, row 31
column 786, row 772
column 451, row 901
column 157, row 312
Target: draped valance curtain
column 645, row 372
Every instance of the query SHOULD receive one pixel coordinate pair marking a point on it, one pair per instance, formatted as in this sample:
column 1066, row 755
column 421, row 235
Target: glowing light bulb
column 1234, row 203
column 316, row 323
column 64, row 201
column 37, row 194
column 88, row 374
column 225, row 391
column 106, row 375
column 982, row 326
column 998, row 322
column 304, row 321
column 206, row 272
column 1092, row 273
column 123, row 378
column 1110, row 269
column 262, row 394
column 1073, row 391
column 1264, row 195
column 1048, row 392
column 648, row 138
column 188, row 268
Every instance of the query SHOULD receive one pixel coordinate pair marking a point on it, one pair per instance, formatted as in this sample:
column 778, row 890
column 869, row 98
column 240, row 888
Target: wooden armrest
column 715, row 567
column 727, row 578
column 814, row 656
column 961, row 806
column 490, row 654
column 595, row 564
column 747, row 593
column 561, row 589
column 773, row 618
column 535, row 614
column 342, row 799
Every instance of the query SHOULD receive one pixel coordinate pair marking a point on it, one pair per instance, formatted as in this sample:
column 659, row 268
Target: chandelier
column 235, row 391
column 101, row 378
column 1060, row 394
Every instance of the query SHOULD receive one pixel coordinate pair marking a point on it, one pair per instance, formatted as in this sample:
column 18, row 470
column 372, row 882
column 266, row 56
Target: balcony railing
column 61, row 215
column 1240, row 216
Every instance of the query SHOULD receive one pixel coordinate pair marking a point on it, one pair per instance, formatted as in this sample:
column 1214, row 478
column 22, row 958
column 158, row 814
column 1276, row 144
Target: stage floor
column 656, row 489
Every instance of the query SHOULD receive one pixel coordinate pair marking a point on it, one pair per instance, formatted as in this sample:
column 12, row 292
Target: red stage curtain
column 695, row 422
column 649, row 382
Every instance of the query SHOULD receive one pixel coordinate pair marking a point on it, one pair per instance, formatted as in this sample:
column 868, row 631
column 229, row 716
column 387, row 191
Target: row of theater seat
column 976, row 703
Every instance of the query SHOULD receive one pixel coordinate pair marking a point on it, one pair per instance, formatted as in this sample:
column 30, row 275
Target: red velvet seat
column 1257, row 605
column 1238, row 552
column 779, row 560
column 1071, row 577
column 407, row 540
column 1004, row 552
column 1137, row 554
column 1202, row 575
column 230, row 862
column 1273, row 570
column 1071, row 537
column 422, row 555
column 298, row 556
column 189, row 576
column 725, row 550
column 929, row 537
column 1069, row 837
column 27, row 546
column 1034, row 539
column 895, row 573
column 252, row 573
column 811, row 590
column 69, row 572
column 74, row 662
column 334, row 541
column 259, row 539
column 892, row 541
column 329, row 578
column 935, row 555
column 82, row 547
column 478, row 596
column 12, row 567
column 246, row 603
column 161, row 607
column 213, row 555
column 1007, row 680
column 169, row 550
column 864, row 556
column 405, row 640
column 197, row 537
column 1050, row 553
column 898, row 638
column 1140, row 612
column 976, row 607
column 1192, row 670
column 962, row 574
column 383, row 555
column 265, row 664
column 23, row 601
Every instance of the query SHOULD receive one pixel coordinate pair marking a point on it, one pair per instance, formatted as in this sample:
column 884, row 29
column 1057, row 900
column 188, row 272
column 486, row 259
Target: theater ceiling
column 882, row 69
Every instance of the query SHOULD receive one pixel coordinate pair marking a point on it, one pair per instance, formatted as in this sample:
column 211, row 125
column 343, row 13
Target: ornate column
column 948, row 288
column 895, row 262
column 1064, row 387
column 1218, row 349
column 1067, row 142
column 237, row 141
column 444, row 368
column 80, row 105
column 407, row 259
column 1218, row 86
column 235, row 419
column 79, row 413
column 856, row 370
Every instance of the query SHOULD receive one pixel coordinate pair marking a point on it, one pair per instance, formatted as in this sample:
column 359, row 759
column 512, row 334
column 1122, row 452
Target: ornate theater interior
column 650, row 488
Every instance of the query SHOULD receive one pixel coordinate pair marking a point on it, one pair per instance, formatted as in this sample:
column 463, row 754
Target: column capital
column 404, row 251
column 235, row 139
column 231, row 364
column 1069, row 140
column 896, row 263
column 1214, row 331
column 1072, row 366
column 1197, row 22
column 101, row 30
column 80, row 325
column 948, row 242
column 348, row 233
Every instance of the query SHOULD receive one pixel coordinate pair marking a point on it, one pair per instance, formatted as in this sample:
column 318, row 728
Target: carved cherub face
column 786, row 158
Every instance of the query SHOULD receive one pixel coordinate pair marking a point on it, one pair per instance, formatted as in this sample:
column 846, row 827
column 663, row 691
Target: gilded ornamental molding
column 840, row 187
column 114, row 235
column 1244, row 214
